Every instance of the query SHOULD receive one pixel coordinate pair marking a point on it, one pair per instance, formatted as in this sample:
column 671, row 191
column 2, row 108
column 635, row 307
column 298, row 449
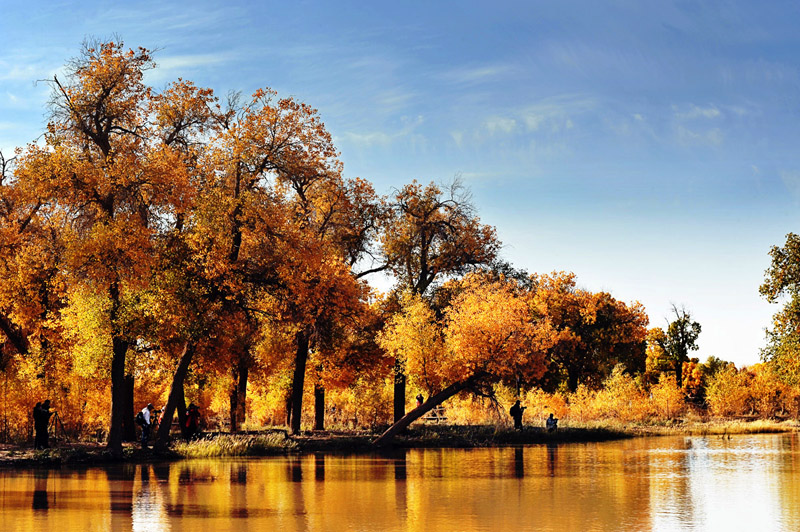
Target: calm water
column 696, row 483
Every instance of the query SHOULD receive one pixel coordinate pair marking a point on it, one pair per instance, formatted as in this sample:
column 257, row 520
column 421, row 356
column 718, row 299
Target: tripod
column 56, row 423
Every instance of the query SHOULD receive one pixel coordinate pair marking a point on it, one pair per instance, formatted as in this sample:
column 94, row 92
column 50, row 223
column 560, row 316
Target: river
column 648, row 484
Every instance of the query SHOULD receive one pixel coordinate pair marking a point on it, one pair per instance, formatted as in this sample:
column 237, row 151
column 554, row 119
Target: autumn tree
column 657, row 362
column 432, row 233
column 277, row 225
column 595, row 331
column 488, row 334
column 114, row 180
column 31, row 250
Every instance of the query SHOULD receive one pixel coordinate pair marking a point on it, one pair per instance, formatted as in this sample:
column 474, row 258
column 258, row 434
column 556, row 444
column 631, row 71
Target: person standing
column 551, row 423
column 41, row 419
column 192, row 421
column 516, row 413
column 146, row 424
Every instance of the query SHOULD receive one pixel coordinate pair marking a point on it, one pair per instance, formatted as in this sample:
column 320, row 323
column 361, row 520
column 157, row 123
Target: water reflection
column 40, row 500
column 519, row 463
column 552, row 457
column 643, row 484
column 148, row 511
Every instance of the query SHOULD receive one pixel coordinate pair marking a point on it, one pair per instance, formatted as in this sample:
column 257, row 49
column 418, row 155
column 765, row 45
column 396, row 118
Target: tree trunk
column 301, row 356
column 399, row 392
column 319, row 408
column 289, row 408
column 128, row 427
column 426, row 407
column 120, row 349
column 572, row 380
column 14, row 335
column 175, row 401
column 239, row 395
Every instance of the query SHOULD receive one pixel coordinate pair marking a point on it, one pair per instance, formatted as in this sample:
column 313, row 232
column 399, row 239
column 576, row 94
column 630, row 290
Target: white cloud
column 499, row 124
column 174, row 66
column 477, row 74
column 382, row 138
column 557, row 113
column 369, row 139
column 691, row 137
column 694, row 112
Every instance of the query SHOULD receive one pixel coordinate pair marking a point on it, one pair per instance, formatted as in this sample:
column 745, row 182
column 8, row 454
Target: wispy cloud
column 24, row 67
column 471, row 75
column 383, row 138
column 690, row 137
column 170, row 67
column 557, row 113
column 499, row 124
column 694, row 112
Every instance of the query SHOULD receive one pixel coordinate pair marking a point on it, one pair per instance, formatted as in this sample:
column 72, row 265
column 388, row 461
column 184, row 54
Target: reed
column 236, row 445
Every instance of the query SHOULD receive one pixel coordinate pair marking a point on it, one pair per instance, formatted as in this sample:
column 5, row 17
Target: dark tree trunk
column 426, row 407
column 14, row 335
column 289, row 408
column 572, row 380
column 238, row 395
column 301, row 356
column 120, row 349
column 319, row 408
column 180, row 408
column 128, row 428
column 175, row 401
column 399, row 392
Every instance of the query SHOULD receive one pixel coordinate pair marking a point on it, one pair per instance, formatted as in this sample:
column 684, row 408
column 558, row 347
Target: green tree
column 782, row 283
column 681, row 337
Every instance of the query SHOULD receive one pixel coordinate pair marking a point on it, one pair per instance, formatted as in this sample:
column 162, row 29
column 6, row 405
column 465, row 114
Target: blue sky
column 650, row 147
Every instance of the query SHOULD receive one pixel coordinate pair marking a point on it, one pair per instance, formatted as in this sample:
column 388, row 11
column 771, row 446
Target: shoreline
column 276, row 442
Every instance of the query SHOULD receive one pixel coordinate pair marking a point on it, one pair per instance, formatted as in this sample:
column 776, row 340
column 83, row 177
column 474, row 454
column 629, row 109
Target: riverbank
column 277, row 441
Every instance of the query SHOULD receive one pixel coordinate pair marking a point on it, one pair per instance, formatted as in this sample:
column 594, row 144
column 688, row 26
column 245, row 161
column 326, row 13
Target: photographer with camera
column 143, row 420
column 516, row 413
column 41, row 419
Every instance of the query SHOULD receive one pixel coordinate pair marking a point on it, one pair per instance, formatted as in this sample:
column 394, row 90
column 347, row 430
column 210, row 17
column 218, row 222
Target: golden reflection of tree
column 148, row 511
column 790, row 479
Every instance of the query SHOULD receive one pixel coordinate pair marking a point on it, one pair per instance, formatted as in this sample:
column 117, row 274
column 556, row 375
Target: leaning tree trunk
column 319, row 407
column 175, row 401
column 423, row 409
column 301, row 356
column 14, row 335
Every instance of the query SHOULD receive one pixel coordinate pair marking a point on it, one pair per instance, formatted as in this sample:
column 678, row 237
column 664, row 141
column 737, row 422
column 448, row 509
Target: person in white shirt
column 146, row 426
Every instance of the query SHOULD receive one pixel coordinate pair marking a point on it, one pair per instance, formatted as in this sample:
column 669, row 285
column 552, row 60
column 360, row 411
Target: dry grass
column 236, row 445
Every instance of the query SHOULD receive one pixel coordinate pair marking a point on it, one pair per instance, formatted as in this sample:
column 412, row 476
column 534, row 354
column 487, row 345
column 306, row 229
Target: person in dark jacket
column 41, row 419
column 516, row 413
